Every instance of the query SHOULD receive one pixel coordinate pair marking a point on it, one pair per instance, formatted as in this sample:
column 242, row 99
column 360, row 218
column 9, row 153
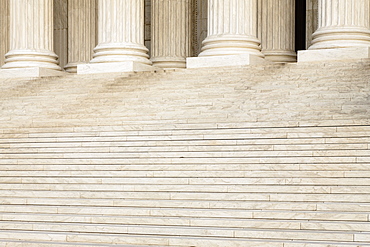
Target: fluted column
column 4, row 30
column 171, row 33
column 278, row 30
column 31, row 35
column 81, row 32
column 342, row 24
column 121, row 32
column 232, row 28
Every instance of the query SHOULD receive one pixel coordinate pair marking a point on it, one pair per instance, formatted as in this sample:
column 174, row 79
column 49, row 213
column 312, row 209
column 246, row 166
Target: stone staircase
column 275, row 156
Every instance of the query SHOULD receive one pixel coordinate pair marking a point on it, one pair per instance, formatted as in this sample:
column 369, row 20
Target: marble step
column 201, row 147
column 176, row 126
column 161, row 240
column 53, row 203
column 188, row 181
column 350, row 226
column 177, row 173
column 322, row 154
column 193, row 188
column 119, row 142
column 192, row 131
column 15, row 243
column 190, row 160
column 352, row 168
column 262, row 212
column 192, row 231
column 226, row 196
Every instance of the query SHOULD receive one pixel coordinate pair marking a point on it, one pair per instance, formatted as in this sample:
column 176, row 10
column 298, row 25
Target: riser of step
column 189, row 181
column 142, row 125
column 193, row 188
column 173, row 128
column 195, row 160
column 15, row 243
column 197, row 100
column 51, row 204
column 164, row 241
column 153, row 124
column 118, row 142
column 188, row 174
column 190, row 231
column 10, row 218
column 338, row 167
column 105, row 148
column 202, row 134
column 229, row 196
column 192, row 130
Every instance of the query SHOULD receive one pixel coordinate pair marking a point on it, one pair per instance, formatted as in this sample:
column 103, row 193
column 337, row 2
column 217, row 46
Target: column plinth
column 171, row 33
column 343, row 31
column 31, row 35
column 81, row 32
column 278, row 30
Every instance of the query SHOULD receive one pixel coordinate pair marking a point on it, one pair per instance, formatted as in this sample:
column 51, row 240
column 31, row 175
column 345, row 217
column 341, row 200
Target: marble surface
column 29, row 72
column 112, row 67
column 334, row 54
column 223, row 61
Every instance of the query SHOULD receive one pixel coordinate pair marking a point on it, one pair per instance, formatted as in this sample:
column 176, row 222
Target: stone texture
column 92, row 68
column 334, row 54
column 278, row 30
column 171, row 33
column 31, row 35
column 32, row 72
column 81, row 32
column 4, row 29
column 222, row 61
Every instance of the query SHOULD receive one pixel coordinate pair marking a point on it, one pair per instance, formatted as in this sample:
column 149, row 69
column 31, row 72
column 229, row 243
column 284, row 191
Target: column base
column 280, row 56
column 223, row 61
column 29, row 73
column 97, row 68
column 334, row 54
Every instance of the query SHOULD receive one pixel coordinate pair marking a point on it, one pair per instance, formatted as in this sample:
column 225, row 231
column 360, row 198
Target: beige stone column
column 81, row 32
column 171, row 33
column 278, row 30
column 31, row 35
column 311, row 20
column 232, row 28
column 4, row 30
column 61, row 31
column 121, row 32
column 342, row 24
